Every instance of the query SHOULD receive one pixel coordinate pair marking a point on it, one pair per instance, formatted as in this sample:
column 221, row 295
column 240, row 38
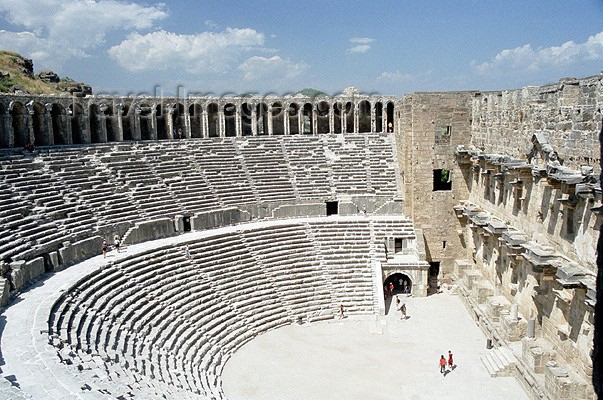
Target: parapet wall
column 569, row 112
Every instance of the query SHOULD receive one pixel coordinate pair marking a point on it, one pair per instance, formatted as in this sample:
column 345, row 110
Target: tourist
column 405, row 286
column 341, row 311
column 117, row 243
column 397, row 303
column 187, row 252
column 403, row 311
column 105, row 248
column 442, row 364
column 391, row 288
column 450, row 360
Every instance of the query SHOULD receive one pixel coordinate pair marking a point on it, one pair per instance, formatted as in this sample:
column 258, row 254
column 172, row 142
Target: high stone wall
column 568, row 112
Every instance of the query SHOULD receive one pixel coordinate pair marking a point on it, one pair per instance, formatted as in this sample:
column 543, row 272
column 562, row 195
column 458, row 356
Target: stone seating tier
column 162, row 316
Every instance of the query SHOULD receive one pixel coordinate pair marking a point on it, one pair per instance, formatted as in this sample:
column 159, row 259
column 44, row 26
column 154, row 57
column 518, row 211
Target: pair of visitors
column 443, row 362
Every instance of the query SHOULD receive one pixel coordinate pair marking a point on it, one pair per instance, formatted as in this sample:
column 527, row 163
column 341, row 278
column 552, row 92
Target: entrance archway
column 398, row 279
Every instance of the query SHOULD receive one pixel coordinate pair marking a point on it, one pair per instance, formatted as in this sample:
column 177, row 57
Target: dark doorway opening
column 441, row 180
column 398, row 245
column 186, row 222
column 402, row 284
column 332, row 208
column 434, row 272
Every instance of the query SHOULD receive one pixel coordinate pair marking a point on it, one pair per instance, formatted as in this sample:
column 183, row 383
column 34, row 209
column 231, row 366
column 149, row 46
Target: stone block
column 563, row 383
column 301, row 210
column 179, row 223
column 514, row 329
column 17, row 275
column 33, row 269
column 216, row 219
column 149, row 230
column 4, row 292
column 74, row 252
column 470, row 277
column 53, row 260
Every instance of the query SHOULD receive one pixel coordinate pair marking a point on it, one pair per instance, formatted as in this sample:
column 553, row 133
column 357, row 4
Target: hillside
column 17, row 75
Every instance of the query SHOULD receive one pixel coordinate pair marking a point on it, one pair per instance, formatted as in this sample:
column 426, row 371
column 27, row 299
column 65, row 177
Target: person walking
column 341, row 311
column 450, row 360
column 187, row 252
column 442, row 364
column 117, row 243
column 403, row 311
column 105, row 246
column 397, row 303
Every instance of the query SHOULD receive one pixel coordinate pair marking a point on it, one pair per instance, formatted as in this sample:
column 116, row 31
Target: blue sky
column 388, row 47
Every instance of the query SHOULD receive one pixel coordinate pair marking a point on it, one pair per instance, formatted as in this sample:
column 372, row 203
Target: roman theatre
column 248, row 223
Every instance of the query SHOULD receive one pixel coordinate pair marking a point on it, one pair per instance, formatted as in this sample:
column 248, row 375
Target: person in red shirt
column 391, row 288
column 450, row 361
column 442, row 364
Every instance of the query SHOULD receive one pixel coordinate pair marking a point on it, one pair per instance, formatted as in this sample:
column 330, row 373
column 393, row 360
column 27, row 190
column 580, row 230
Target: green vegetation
column 310, row 92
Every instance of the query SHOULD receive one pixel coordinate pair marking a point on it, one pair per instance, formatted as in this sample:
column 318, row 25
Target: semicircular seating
column 160, row 324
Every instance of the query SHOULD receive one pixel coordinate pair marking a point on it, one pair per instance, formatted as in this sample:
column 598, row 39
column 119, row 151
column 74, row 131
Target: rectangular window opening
column 398, row 245
column 332, row 208
column 186, row 221
column 442, row 179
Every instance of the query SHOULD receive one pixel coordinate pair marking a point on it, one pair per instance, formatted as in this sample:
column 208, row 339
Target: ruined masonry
column 291, row 207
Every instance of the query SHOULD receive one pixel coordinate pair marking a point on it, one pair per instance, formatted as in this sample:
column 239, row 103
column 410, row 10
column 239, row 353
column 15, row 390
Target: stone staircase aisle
column 499, row 361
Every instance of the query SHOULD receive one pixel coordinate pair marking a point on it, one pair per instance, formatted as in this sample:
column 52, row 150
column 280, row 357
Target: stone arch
column 213, row 122
column 364, row 116
column 230, row 120
column 146, row 121
column 95, row 125
column 262, row 119
column 19, row 115
column 160, row 120
column 307, row 119
column 195, row 111
column 390, row 116
column 57, row 115
column 293, row 118
column 109, row 119
column 322, row 117
column 349, row 117
column 378, row 116
column 38, row 123
column 246, row 119
column 278, row 118
column 178, row 116
column 127, row 116
column 397, row 278
column 337, row 108
column 77, row 135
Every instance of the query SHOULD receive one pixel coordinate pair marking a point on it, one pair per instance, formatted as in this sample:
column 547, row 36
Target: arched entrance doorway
column 396, row 284
column 402, row 284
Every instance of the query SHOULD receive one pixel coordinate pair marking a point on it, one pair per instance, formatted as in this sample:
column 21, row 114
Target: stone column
column 344, row 121
column 6, row 129
column 238, row 122
column 254, row 122
column 119, row 112
column 136, row 128
column 86, row 134
column 331, row 119
column 314, row 120
column 204, row 123
column 286, row 127
column 169, row 122
column 187, row 126
column 383, row 120
column 47, row 128
column 66, row 124
column 269, row 116
column 373, row 118
column 221, row 122
column 102, row 122
column 153, row 125
column 356, row 117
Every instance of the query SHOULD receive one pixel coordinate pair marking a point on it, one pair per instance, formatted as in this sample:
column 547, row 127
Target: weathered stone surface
column 80, row 250
column 149, row 230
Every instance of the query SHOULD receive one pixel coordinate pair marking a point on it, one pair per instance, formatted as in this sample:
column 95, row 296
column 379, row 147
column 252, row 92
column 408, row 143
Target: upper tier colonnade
column 45, row 120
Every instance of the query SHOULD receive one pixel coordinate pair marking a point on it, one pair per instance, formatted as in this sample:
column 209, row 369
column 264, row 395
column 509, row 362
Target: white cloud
column 362, row 48
column 275, row 67
column 211, row 24
column 204, row 52
column 525, row 58
column 57, row 29
column 395, row 76
column 363, row 40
